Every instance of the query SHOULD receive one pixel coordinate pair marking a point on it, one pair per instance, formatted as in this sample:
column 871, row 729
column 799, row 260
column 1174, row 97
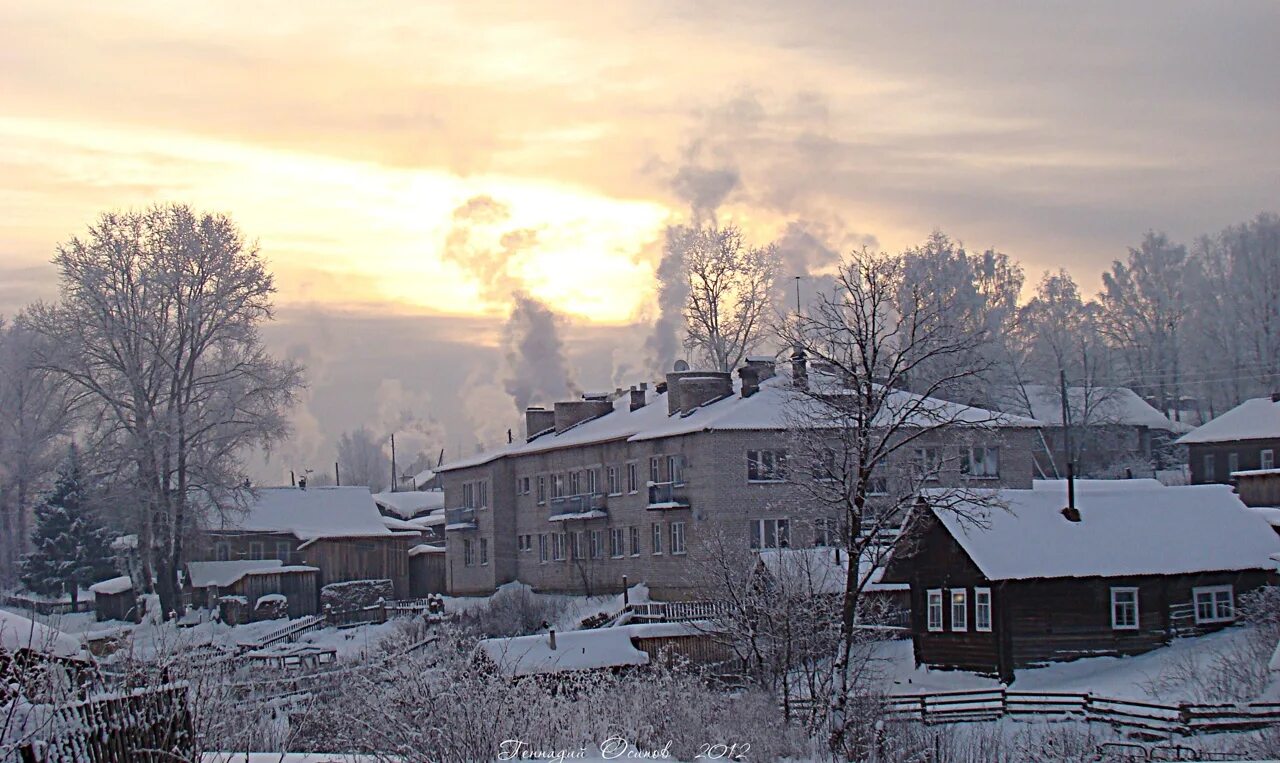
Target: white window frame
column 1137, row 611
column 634, row 536
column 781, row 527
column 926, row 462
column 468, row 555
column 969, row 461
column 484, row 552
column 613, row 485
column 770, row 466
column 982, row 610
column 933, row 606
column 544, row 551
column 617, row 542
column 1267, row 458
column 559, row 547
column 678, row 538
column 655, row 536
column 542, row 490
column 633, row 477
column 1212, row 592
column 257, row 549
column 959, row 598
column 675, row 469
column 597, row 544
column 579, row 544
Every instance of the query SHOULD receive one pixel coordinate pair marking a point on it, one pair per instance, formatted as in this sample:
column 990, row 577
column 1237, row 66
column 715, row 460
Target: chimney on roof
column 302, row 482
column 537, row 420
column 750, row 376
column 799, row 368
column 765, row 366
column 637, row 398
column 552, row 638
column 571, row 412
column 697, row 388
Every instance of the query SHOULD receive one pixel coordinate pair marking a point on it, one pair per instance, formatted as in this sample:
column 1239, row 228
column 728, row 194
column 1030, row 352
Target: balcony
column 460, row 519
column 667, row 495
column 584, row 506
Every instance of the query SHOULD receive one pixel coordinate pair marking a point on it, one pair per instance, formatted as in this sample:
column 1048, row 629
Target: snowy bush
column 355, row 594
column 273, row 606
column 515, row 610
column 233, row 610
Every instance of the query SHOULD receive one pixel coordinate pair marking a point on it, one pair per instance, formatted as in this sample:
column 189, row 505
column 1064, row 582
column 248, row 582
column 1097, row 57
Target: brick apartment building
column 646, row 483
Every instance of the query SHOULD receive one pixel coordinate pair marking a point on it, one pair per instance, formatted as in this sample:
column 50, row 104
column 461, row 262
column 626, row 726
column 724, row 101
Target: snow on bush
column 355, row 594
column 515, row 610
column 272, row 606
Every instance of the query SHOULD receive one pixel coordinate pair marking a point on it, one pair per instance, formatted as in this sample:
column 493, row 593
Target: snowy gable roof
column 575, row 650
column 1256, row 419
column 408, row 504
column 112, row 586
column 1123, row 530
column 767, row 409
column 19, row 633
column 1088, row 405
column 317, row 512
column 221, row 574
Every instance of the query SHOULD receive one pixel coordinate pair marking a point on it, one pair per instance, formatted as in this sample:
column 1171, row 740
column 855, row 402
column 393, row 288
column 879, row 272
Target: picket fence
column 142, row 725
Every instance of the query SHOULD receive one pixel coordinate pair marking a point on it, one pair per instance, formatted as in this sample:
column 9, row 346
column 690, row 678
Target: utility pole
column 1066, row 440
column 337, row 478
column 393, row 462
column 797, row 296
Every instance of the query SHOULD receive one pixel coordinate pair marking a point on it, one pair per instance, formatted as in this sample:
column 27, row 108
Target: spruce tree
column 71, row 545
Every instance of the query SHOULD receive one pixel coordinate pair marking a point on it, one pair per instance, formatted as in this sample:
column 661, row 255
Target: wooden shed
column 1031, row 582
column 426, row 570
column 252, row 580
column 114, row 599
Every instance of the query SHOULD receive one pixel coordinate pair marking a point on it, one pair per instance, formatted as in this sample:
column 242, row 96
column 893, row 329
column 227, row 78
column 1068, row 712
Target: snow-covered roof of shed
column 1088, row 405
column 1123, row 531
column 205, row 574
column 426, row 548
column 112, row 586
column 767, row 409
column 18, row 632
column 317, row 512
column 408, row 504
column 575, row 650
column 1255, row 419
column 823, row 570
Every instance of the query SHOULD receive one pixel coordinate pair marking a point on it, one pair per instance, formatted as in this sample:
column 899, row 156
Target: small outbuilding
column 1018, row 578
column 114, row 599
column 426, row 570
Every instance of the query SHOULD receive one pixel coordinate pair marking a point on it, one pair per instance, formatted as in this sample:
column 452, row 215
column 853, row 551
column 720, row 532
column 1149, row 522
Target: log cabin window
column 770, row 533
column 484, row 552
column 981, row 463
column 283, row 550
column 1210, row 470
column 255, row 550
column 468, row 557
column 766, row 466
column 222, row 552
column 1267, row 459
column 611, row 480
column 982, row 609
column 934, row 609
column 1214, row 604
column 1124, row 609
column 542, row 490
column 1233, row 463
column 959, row 609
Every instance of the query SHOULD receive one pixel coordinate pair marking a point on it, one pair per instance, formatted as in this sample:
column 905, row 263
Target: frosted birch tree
column 157, row 334
column 728, row 297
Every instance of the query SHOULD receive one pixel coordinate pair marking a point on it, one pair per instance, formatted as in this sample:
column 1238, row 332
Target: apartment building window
column 522, row 486
column 542, row 548
column 1214, row 604
column 959, row 610
column 770, row 533
column 635, row 540
column 934, row 608
column 557, row 486
column 655, row 469
column 283, row 550
column 926, row 463
column 593, row 481
column 982, row 609
column 484, row 551
column 579, row 547
column 575, row 483
column 1233, row 463
column 255, row 550
column 611, row 480
column 633, row 480
column 677, row 538
column 877, row 485
column 482, row 494
column 617, row 542
column 1267, row 459
column 542, row 490
column 675, row 469
column 559, row 546
column 467, row 555
column 981, row 463
column 1210, row 468
column 1124, row 609
column 766, row 465
column 656, row 533
column 826, row 532
column 222, row 552
column 597, row 544
column 468, row 495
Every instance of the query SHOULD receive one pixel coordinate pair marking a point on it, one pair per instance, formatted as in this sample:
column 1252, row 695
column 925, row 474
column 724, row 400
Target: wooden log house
column 1133, row 565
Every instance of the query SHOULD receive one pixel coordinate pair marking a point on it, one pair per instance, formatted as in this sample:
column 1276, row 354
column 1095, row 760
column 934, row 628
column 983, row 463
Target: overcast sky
column 349, row 140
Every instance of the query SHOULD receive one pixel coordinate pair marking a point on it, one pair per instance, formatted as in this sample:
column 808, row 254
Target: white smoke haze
column 481, row 245
column 408, row 414
column 487, row 407
column 536, row 372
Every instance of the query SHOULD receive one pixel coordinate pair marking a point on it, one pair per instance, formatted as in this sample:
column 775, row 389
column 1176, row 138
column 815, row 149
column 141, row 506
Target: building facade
column 1245, row 438
column 648, row 485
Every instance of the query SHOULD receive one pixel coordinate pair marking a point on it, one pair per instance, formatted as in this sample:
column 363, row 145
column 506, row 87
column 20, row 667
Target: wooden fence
column 44, row 607
column 143, row 725
column 990, row 704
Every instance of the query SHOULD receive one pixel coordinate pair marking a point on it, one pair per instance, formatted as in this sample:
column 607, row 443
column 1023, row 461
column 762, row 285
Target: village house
column 1114, row 433
column 645, row 483
column 1131, row 565
column 337, row 530
column 1245, row 438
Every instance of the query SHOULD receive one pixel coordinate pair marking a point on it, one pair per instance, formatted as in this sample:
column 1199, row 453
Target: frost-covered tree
column 729, row 283
column 157, row 334
column 362, row 461
column 71, row 546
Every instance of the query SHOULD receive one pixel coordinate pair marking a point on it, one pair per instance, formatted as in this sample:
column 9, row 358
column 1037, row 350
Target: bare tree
column 157, row 335
column 362, row 461
column 864, row 449
column 728, row 295
column 35, row 418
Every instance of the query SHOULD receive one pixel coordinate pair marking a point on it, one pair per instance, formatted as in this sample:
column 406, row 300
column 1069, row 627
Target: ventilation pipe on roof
column 702, row 387
column 537, row 420
column 551, row 638
column 750, row 376
column 637, row 398
column 799, row 368
column 572, row 412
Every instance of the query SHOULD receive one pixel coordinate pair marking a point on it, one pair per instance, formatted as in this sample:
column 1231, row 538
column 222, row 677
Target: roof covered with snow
column 18, row 632
column 426, row 548
column 410, row 503
column 1123, row 531
column 1256, row 419
column 575, row 650
column 112, row 586
column 1088, row 406
column 205, row 574
column 823, row 570
column 770, row 408
column 317, row 512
